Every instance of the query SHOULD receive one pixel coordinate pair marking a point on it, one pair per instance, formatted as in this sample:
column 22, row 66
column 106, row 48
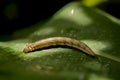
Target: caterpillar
column 59, row 41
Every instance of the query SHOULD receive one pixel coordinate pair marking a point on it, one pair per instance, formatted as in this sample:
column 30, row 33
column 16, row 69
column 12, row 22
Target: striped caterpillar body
column 62, row 41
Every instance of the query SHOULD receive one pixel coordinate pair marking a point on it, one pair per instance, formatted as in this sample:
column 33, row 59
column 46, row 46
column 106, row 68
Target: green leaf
column 100, row 31
column 93, row 3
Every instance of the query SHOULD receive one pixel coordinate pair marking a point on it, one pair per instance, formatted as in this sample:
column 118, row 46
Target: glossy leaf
column 100, row 31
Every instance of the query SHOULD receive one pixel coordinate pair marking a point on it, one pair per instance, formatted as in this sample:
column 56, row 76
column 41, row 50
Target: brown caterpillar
column 62, row 41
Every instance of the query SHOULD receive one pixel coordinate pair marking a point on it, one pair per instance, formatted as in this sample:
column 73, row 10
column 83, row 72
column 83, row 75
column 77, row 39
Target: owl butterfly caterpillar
column 59, row 41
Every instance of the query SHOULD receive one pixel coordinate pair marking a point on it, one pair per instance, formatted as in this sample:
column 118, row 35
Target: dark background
column 31, row 12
